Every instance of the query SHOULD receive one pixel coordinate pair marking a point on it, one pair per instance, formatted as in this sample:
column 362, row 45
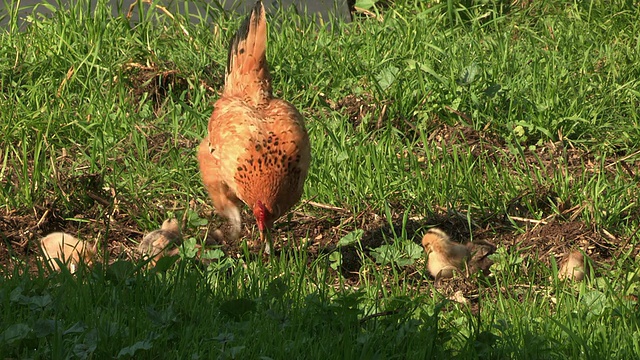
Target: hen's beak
column 266, row 242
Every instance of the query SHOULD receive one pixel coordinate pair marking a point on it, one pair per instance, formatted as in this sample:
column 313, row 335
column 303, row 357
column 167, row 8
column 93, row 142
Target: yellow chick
column 446, row 256
column 443, row 255
column 573, row 267
column 68, row 250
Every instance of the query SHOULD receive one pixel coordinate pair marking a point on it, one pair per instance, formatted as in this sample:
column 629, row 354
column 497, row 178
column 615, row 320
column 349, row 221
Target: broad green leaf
column 131, row 350
column 76, row 328
column 335, row 259
column 120, row 270
column 351, row 238
column 165, row 263
column 15, row 332
column 188, row 250
column 224, row 338
column 469, row 74
column 46, row 327
column 238, row 307
column 364, row 4
column 277, row 289
column 387, row 76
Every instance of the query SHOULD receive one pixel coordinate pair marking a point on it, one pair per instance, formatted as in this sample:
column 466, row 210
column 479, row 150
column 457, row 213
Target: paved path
column 328, row 9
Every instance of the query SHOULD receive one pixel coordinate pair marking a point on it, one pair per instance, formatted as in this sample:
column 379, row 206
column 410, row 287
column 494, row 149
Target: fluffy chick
column 68, row 250
column 155, row 244
column 444, row 256
column 573, row 267
column 480, row 251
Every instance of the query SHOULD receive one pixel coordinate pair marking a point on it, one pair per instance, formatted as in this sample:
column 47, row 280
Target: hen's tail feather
column 247, row 72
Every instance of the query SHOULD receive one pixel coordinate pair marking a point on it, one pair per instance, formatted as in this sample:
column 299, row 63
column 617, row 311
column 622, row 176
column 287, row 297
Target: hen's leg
column 224, row 200
column 229, row 207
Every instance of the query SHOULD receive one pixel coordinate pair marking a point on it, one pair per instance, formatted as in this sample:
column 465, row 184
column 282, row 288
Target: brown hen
column 257, row 149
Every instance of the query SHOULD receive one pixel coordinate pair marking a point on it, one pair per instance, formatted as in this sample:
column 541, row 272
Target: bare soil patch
column 158, row 80
column 358, row 108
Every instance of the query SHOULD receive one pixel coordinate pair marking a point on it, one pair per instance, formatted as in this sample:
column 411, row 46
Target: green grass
column 547, row 96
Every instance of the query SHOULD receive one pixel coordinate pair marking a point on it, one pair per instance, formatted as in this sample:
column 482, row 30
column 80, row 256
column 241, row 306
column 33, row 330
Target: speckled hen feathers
column 263, row 156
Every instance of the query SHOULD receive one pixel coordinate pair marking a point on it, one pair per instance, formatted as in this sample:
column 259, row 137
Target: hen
column 257, row 148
